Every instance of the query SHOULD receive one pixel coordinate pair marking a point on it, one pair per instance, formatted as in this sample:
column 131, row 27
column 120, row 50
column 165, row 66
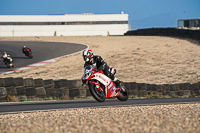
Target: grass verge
column 65, row 97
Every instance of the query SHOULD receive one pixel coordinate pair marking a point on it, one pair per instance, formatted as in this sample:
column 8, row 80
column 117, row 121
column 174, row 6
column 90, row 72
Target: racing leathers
column 25, row 49
column 7, row 57
column 101, row 65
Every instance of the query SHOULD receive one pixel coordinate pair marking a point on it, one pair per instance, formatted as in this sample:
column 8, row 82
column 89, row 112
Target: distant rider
column 90, row 59
column 6, row 57
column 24, row 49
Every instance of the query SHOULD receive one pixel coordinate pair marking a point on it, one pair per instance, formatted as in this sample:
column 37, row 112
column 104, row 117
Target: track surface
column 48, row 50
column 6, row 108
column 41, row 51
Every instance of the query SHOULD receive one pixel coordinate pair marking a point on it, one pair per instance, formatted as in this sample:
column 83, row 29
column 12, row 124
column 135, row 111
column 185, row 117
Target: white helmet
column 87, row 55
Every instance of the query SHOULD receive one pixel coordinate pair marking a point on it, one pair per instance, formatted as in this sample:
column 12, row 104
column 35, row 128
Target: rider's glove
column 96, row 70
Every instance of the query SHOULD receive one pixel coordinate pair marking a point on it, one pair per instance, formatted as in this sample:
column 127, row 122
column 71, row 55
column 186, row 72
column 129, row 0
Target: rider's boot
column 116, row 81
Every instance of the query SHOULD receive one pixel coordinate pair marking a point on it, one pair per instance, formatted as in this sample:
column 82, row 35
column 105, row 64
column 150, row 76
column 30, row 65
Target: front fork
column 98, row 86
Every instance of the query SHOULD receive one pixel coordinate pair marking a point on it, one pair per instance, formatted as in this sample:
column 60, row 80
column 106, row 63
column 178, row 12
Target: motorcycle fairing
column 110, row 88
column 111, row 91
column 102, row 78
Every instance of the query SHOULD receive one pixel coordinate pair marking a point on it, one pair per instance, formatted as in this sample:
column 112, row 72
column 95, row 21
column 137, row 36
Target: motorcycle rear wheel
column 97, row 94
column 30, row 56
column 123, row 96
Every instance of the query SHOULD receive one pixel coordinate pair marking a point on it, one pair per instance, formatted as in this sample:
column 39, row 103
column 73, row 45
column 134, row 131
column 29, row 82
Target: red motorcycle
column 28, row 52
column 102, row 87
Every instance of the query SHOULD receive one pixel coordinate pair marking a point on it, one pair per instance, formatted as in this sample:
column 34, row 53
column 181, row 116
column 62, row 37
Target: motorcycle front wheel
column 12, row 65
column 97, row 94
column 8, row 65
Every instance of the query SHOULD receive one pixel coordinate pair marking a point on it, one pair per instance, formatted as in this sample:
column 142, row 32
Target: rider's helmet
column 87, row 55
column 24, row 46
column 5, row 55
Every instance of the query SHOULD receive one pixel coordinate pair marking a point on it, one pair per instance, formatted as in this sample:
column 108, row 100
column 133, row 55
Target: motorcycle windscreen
column 87, row 72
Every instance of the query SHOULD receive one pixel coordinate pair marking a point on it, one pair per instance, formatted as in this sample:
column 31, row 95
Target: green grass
column 37, row 99
column 37, row 73
column 56, row 99
column 132, row 96
column 153, row 96
column 157, row 96
column 19, row 72
column 15, row 99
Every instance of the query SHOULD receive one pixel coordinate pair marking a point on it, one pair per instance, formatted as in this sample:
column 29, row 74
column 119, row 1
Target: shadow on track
column 20, row 58
column 2, row 67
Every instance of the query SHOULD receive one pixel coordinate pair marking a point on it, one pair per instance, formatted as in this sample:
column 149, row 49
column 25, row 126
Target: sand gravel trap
column 183, row 118
column 142, row 59
column 137, row 58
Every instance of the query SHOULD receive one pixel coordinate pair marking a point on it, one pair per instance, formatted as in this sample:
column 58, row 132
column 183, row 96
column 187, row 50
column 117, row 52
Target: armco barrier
column 30, row 88
column 174, row 32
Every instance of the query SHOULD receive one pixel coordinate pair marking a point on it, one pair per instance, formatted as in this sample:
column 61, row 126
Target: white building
column 86, row 24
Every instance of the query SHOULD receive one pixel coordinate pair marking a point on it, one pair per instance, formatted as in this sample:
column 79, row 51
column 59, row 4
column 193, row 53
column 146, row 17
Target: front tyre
column 123, row 96
column 8, row 65
column 97, row 94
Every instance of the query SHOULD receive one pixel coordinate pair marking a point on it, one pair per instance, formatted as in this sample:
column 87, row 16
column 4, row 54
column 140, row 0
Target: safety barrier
column 30, row 88
column 175, row 32
column 142, row 89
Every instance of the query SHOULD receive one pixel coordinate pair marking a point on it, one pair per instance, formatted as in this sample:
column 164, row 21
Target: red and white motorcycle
column 102, row 87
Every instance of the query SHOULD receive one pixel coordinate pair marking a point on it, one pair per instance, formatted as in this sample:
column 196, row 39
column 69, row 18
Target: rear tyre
column 123, row 96
column 97, row 94
column 30, row 56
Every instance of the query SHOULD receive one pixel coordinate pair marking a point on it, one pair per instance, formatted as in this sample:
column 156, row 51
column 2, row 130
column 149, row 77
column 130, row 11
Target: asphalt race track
column 41, row 51
column 6, row 108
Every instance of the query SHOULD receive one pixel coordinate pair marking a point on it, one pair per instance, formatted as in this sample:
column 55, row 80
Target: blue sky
column 142, row 13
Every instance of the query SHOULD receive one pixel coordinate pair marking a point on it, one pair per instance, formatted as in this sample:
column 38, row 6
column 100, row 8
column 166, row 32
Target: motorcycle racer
column 90, row 59
column 6, row 57
column 24, row 49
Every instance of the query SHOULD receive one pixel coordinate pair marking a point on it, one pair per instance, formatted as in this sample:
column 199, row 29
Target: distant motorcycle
column 101, row 86
column 28, row 52
column 8, row 62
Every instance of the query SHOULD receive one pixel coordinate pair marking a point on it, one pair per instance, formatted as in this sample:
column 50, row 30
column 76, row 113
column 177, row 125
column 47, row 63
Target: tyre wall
column 30, row 88
column 174, row 32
